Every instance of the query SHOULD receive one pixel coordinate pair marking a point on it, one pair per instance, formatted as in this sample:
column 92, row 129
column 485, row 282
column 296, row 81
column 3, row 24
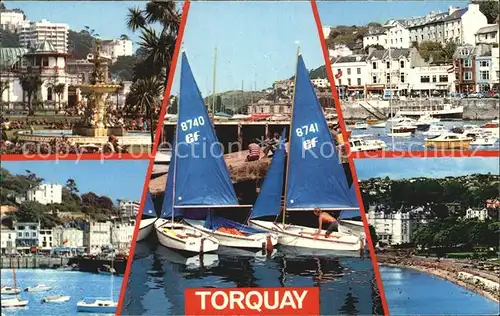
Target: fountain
column 94, row 127
column 93, row 122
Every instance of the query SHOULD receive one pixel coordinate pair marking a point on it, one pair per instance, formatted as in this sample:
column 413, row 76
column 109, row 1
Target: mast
column 390, row 90
column 214, row 78
column 291, row 131
column 14, row 273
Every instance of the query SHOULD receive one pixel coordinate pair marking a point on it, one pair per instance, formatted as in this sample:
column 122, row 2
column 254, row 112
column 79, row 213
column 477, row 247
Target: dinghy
column 314, row 177
column 106, row 269
column 103, row 306
column 148, row 218
column 56, row 299
column 13, row 302
column 38, row 288
column 198, row 177
column 190, row 261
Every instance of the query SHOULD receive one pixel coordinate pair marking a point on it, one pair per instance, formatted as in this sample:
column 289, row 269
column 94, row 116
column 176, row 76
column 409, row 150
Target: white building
column 487, row 35
column 7, row 240
column 397, row 35
column 45, row 194
column 326, row 31
column 26, row 236
column 480, row 214
column 121, row 235
column 495, row 68
column 426, row 79
column 45, row 240
column 353, row 70
column 392, row 229
column 11, row 19
column 469, row 20
column 128, row 208
column 67, row 237
column 320, row 83
column 36, row 32
column 376, row 35
column 116, row 48
column 97, row 235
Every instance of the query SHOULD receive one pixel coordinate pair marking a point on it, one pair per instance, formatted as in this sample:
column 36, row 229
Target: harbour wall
column 34, row 262
column 474, row 109
column 92, row 264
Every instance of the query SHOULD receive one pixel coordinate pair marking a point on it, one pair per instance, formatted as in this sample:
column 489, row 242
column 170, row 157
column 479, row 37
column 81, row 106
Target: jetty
column 33, row 262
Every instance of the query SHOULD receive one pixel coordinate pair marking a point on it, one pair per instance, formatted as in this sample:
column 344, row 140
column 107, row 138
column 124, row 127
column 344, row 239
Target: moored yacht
column 435, row 130
column 448, row 141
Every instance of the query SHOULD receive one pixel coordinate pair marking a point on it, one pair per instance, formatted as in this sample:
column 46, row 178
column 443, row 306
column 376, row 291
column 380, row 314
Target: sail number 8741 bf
column 307, row 129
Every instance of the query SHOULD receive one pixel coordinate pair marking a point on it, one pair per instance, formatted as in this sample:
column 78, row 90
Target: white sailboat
column 148, row 219
column 56, row 299
column 38, row 288
column 99, row 305
column 312, row 180
column 16, row 301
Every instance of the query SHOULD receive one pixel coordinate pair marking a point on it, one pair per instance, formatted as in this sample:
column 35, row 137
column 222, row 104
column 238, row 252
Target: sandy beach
column 448, row 270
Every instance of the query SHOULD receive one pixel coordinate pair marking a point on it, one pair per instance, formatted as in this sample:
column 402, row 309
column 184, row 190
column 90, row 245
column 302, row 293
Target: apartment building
column 45, row 194
column 32, row 33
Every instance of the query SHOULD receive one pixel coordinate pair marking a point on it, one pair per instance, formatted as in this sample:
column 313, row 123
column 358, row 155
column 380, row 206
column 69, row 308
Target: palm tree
column 71, row 186
column 59, row 91
column 31, row 85
column 144, row 97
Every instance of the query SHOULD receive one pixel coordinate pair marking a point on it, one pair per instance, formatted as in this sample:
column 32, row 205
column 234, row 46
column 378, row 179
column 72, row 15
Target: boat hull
column 37, row 289
column 13, row 302
column 188, row 240
column 58, row 299
column 146, row 226
column 447, row 144
column 303, row 237
column 10, row 291
column 88, row 308
column 355, row 228
column 253, row 241
column 456, row 113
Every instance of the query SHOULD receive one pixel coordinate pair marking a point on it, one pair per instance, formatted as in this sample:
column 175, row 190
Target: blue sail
column 214, row 222
column 202, row 177
column 166, row 208
column 149, row 208
column 316, row 177
column 268, row 201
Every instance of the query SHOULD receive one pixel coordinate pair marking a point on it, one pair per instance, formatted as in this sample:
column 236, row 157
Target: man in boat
column 253, row 151
column 271, row 143
column 324, row 217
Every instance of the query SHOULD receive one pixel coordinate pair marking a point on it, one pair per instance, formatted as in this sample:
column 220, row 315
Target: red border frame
column 350, row 158
column 173, row 66
column 425, row 154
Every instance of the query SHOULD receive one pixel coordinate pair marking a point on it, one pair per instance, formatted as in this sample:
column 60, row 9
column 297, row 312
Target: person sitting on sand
column 328, row 219
column 253, row 151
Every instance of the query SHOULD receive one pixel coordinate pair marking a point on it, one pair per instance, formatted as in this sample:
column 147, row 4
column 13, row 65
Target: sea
column 76, row 284
column 159, row 275
column 416, row 141
column 411, row 292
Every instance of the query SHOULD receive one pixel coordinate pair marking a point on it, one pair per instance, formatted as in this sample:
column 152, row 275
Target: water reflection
column 159, row 276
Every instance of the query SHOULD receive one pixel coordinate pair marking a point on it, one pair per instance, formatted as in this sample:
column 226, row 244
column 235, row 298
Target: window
column 33, row 234
column 359, row 81
column 468, row 75
column 349, row 81
column 374, row 65
column 348, row 71
column 45, row 62
column 20, row 235
column 484, row 75
column 374, row 79
column 388, row 64
column 26, row 234
column 434, row 79
column 340, row 82
column 424, row 79
column 467, row 63
column 358, row 71
column 402, row 63
column 484, row 63
column 402, row 77
column 388, row 78
column 443, row 78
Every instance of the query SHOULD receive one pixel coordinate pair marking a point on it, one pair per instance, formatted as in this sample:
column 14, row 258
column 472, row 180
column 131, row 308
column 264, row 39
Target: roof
column 488, row 29
column 10, row 55
column 44, row 47
column 396, row 53
column 350, row 59
column 456, row 15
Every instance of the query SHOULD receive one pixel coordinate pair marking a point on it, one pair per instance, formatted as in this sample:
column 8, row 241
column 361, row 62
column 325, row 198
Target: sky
column 404, row 168
column 117, row 179
column 256, row 41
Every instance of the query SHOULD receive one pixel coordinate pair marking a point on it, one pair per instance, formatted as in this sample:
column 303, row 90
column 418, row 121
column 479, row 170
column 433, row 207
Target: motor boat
column 38, row 288
column 360, row 143
column 237, row 238
column 492, row 127
column 56, row 299
column 484, row 139
column 423, row 123
column 103, row 306
column 360, row 125
column 183, row 237
column 7, row 290
column 435, row 130
column 448, row 141
column 379, row 125
column 402, row 130
column 106, row 269
column 13, row 302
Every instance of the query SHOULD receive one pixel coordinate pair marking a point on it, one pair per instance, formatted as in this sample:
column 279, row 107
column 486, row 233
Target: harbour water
column 159, row 276
column 411, row 292
column 416, row 141
column 76, row 284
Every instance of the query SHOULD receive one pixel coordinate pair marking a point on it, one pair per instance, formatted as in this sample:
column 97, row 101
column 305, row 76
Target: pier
column 34, row 262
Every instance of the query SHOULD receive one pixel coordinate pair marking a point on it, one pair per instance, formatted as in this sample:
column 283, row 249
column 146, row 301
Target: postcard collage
column 250, row 157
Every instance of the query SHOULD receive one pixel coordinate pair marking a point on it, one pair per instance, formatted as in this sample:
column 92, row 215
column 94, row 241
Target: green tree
column 448, row 50
column 377, row 47
column 30, row 84
column 59, row 91
column 428, row 49
column 123, row 68
column 9, row 39
column 71, row 186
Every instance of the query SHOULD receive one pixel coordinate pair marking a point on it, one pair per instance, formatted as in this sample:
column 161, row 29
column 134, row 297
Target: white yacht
column 435, row 130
